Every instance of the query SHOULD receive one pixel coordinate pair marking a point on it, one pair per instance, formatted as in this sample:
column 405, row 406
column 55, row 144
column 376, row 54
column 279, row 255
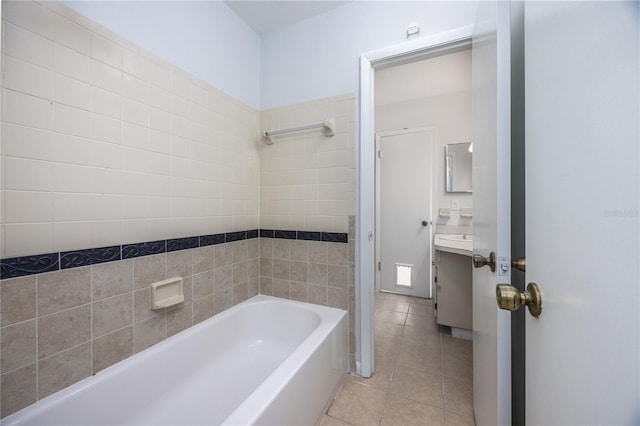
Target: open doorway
column 430, row 47
column 420, row 107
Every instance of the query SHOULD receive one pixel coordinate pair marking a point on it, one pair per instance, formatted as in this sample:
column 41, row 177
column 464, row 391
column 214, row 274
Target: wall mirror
column 458, row 167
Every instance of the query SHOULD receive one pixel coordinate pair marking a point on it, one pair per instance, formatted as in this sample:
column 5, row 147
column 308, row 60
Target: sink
column 454, row 243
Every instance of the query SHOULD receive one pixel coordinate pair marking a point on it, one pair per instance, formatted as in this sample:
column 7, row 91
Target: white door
column 582, row 101
column 582, row 212
column 491, row 216
column 404, row 205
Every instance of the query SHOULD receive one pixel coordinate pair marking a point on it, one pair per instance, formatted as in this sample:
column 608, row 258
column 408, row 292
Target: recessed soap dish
column 444, row 212
column 167, row 293
column 466, row 212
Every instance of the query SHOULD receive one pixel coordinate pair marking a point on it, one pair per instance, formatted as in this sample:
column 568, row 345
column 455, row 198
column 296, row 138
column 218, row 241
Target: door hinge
column 379, row 266
column 379, row 153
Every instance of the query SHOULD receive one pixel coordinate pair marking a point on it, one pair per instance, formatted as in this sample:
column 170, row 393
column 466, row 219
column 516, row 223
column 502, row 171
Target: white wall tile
column 135, row 136
column 26, row 174
column 197, row 151
column 158, row 98
column 71, row 63
column 179, row 167
column 134, row 88
column 158, row 206
column 26, row 142
column 198, row 94
column 135, row 183
column 136, row 160
column 105, row 76
column 72, row 35
column 135, row 208
column 179, row 84
column 159, row 120
column 123, row 122
column 71, row 207
column 71, row 235
column 71, row 120
column 106, row 129
column 135, row 112
column 104, row 154
column 27, row 78
column 159, row 163
column 199, row 132
column 31, row 16
column 71, row 92
column 26, row 110
column 105, row 181
column 70, row 178
column 106, row 51
column 27, row 207
column 180, row 147
column 106, row 103
column 22, row 239
column 197, row 169
column 106, row 207
column 308, row 177
column 180, row 106
column 179, row 186
column 109, row 233
column 134, row 64
column 159, row 186
column 25, row 45
column 159, row 76
column 200, row 114
column 159, row 141
column 69, row 149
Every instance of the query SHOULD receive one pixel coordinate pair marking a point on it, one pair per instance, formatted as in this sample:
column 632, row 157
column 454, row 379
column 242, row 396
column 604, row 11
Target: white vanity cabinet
column 453, row 290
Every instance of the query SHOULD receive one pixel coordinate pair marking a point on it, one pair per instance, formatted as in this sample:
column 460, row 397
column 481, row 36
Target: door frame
column 410, row 51
column 377, row 232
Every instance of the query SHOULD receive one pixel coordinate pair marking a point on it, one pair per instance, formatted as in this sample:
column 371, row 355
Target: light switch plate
column 455, row 205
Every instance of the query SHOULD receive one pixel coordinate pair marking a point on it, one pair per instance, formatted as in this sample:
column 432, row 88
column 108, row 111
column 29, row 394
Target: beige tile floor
column 423, row 375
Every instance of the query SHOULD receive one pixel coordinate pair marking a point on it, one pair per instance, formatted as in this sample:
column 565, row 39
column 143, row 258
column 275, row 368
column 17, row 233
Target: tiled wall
column 312, row 271
column 307, row 179
column 60, row 327
column 104, row 143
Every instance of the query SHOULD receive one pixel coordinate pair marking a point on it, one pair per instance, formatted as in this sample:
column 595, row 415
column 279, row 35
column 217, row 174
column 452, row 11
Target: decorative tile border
column 77, row 258
column 130, row 251
column 37, row 264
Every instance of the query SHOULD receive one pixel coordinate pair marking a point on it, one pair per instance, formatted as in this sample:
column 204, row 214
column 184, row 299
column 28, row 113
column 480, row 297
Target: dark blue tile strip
column 235, row 236
column 334, row 237
column 36, row 264
column 310, row 236
column 77, row 258
column 209, row 240
column 129, row 251
column 28, row 265
column 287, row 235
column 182, row 243
column 267, row 233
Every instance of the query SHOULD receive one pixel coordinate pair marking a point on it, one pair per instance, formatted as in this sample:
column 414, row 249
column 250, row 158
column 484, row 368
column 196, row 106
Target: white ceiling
column 267, row 15
column 431, row 77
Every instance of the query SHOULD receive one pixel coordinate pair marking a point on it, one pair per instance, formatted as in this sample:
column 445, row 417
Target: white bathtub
column 265, row 361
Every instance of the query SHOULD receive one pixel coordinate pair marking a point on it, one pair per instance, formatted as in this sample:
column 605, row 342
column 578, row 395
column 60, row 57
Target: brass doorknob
column 520, row 264
column 510, row 298
column 480, row 261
